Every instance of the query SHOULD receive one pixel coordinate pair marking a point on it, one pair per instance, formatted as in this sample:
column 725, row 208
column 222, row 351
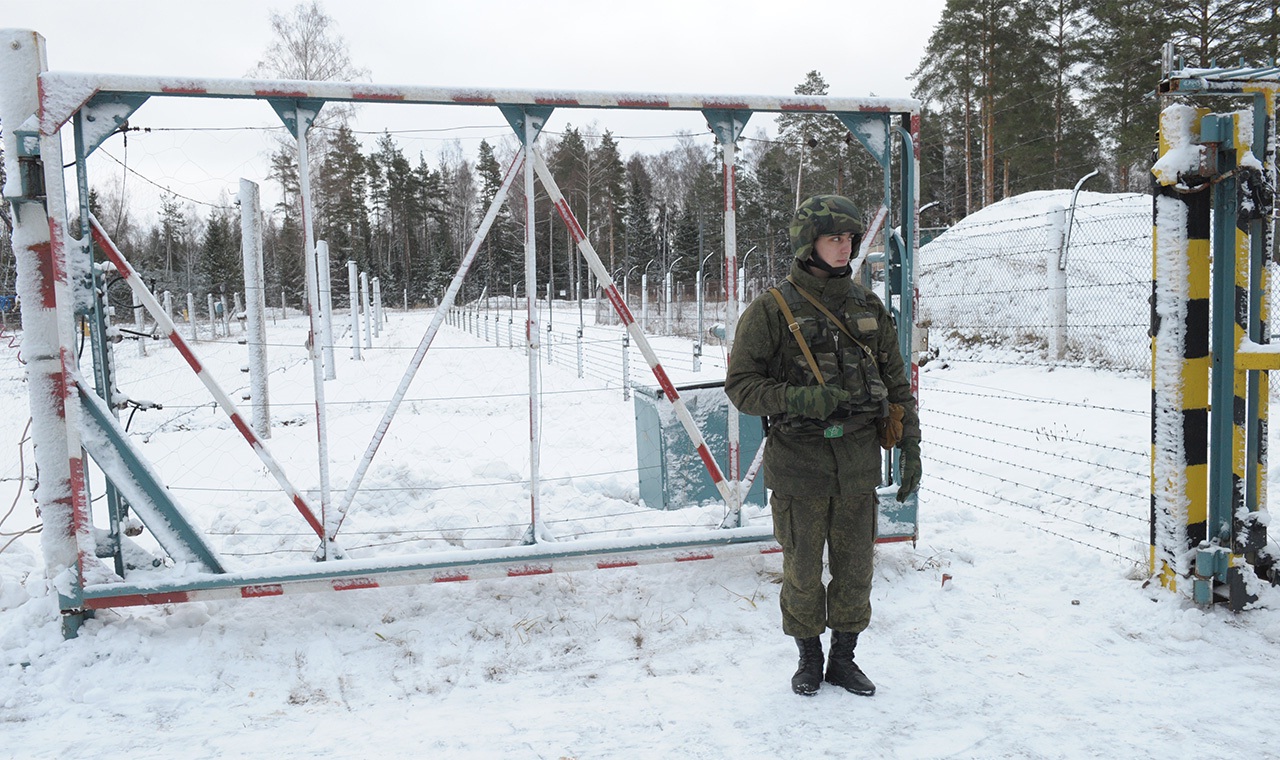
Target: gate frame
column 1211, row 346
column 57, row 268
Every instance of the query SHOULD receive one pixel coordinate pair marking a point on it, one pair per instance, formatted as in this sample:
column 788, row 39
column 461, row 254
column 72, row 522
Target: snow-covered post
column 355, row 310
column 255, row 305
column 377, row 307
column 213, row 317
column 40, row 254
column 168, row 304
column 666, row 303
column 326, row 309
column 283, row 306
column 139, row 325
column 191, row 317
column 1056, row 281
column 368, row 313
column 238, row 310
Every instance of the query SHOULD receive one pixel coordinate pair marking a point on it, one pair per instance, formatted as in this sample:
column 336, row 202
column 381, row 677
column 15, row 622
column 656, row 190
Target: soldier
column 818, row 356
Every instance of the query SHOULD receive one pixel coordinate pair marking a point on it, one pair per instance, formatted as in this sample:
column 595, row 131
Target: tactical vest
column 842, row 362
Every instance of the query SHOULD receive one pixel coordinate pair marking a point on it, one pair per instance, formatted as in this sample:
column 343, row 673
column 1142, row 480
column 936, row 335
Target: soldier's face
column 834, row 249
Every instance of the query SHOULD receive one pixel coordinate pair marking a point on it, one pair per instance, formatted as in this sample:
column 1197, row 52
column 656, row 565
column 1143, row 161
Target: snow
column 1010, row 630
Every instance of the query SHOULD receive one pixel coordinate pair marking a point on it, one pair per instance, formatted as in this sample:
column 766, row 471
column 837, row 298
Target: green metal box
column 671, row 472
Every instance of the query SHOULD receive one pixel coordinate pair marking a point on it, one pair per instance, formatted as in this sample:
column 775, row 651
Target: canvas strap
column 795, row 330
column 839, row 323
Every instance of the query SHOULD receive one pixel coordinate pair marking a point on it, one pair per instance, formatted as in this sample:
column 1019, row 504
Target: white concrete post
column 255, row 306
column 191, row 317
column 368, row 313
column 355, row 310
column 326, row 309
column 377, row 307
column 1056, row 281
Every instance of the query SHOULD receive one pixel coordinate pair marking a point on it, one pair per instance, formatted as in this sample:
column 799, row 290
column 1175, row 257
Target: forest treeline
column 1018, row 95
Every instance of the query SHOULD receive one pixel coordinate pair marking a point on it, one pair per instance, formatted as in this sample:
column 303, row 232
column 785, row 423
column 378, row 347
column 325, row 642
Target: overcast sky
column 748, row 47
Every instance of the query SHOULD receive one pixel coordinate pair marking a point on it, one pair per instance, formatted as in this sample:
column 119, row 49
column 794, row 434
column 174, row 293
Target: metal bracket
column 104, row 115
column 288, row 111
column 537, row 116
column 727, row 124
column 872, row 130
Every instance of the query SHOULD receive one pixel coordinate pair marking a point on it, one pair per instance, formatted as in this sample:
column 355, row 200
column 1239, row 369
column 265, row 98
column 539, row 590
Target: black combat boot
column 841, row 669
column 808, row 678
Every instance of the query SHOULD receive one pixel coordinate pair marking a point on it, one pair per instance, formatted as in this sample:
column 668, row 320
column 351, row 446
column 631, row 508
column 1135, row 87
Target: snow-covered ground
column 1045, row 641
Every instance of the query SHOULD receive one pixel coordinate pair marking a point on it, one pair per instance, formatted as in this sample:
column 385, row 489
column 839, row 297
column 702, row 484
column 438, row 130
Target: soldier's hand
column 909, row 467
column 815, row 401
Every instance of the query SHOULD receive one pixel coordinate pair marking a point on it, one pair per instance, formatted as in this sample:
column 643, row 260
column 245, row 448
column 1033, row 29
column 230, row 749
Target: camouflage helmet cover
column 823, row 215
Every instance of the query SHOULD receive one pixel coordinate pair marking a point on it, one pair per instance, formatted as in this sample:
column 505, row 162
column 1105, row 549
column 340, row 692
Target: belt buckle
column 834, row 431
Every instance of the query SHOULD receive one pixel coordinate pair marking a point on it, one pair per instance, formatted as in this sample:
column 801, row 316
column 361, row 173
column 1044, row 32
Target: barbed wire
column 1049, row 401
column 1024, row 447
column 1021, row 466
column 1036, row 433
column 1041, row 528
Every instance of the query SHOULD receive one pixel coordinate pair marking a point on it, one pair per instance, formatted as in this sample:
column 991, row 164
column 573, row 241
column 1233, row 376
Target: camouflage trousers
column 846, row 529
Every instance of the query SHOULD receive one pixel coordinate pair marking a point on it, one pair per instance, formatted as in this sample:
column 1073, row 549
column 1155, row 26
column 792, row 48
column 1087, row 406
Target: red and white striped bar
column 726, row 489
column 75, row 89
column 452, row 566
column 166, row 325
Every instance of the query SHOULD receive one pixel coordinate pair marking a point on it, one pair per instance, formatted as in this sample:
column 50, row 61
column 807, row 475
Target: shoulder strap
column 795, row 330
column 839, row 323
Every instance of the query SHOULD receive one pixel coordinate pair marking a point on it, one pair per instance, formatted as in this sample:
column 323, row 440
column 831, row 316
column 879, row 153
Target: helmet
column 823, row 215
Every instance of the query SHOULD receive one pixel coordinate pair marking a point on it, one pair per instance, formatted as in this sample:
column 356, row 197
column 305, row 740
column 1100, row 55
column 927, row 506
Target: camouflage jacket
column 766, row 358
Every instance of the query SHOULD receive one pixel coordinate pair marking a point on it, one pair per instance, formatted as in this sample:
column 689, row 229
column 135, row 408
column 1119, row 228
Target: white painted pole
column 728, row 154
column 377, row 307
column 191, row 317
column 213, row 317
column 168, row 304
column 326, row 309
column 368, row 312
column 533, row 336
column 355, row 309
column 304, row 118
column 255, row 306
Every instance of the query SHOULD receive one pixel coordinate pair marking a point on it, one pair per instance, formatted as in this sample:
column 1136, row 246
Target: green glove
column 814, row 401
column 909, row 467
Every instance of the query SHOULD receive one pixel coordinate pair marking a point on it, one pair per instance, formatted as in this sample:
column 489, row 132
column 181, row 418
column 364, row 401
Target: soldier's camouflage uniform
column 823, row 487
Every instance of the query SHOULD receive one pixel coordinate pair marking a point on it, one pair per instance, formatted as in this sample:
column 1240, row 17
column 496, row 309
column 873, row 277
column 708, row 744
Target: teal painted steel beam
column 106, row 442
column 1219, row 129
column 104, row 115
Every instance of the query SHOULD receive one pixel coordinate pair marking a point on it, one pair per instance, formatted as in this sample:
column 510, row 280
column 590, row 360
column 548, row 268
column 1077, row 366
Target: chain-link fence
column 1054, row 287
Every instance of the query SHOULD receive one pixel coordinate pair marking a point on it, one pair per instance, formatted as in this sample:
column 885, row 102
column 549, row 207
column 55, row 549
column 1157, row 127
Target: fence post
column 1056, row 282
column 213, row 318
column 325, row 282
column 352, row 276
column 580, row 373
column 368, row 313
column 377, row 307
column 168, row 304
column 255, row 296
column 191, row 317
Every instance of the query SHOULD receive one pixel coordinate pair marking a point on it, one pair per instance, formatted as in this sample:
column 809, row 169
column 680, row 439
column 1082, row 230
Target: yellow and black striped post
column 1179, row 351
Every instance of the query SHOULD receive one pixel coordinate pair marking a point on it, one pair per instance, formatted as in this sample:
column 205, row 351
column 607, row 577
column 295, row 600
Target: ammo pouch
column 889, row 415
